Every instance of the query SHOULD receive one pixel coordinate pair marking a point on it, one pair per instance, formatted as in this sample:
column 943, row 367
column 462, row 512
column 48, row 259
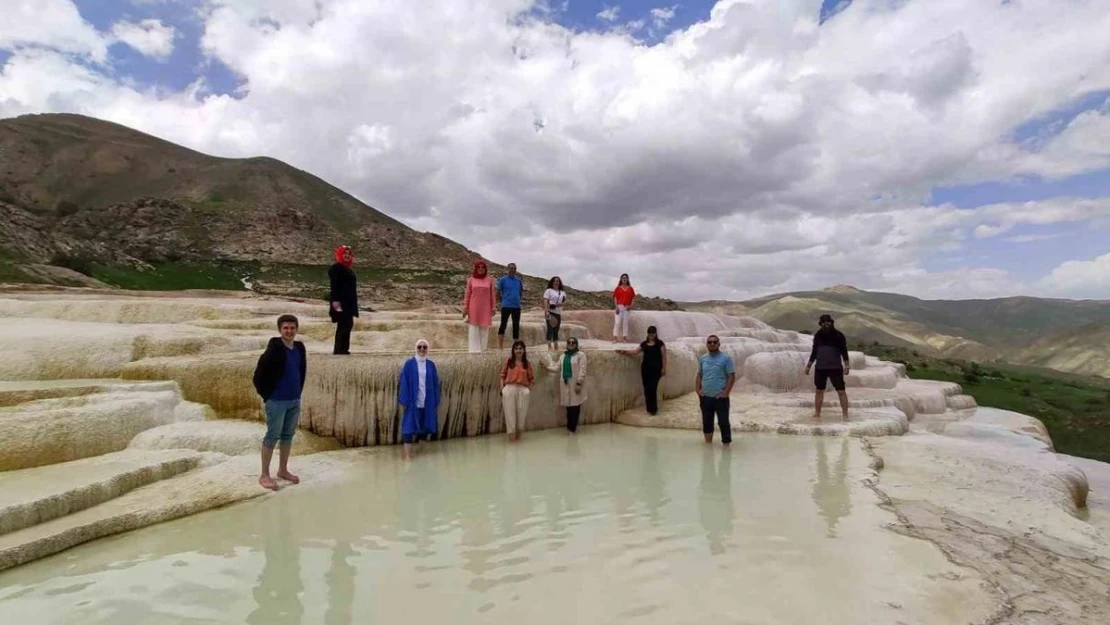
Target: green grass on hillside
column 9, row 272
column 174, row 276
column 1074, row 408
column 228, row 275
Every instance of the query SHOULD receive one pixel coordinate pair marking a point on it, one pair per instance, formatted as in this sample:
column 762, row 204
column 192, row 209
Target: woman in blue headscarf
column 418, row 395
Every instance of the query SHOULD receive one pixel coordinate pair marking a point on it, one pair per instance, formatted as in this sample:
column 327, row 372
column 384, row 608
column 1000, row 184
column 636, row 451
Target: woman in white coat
column 571, row 371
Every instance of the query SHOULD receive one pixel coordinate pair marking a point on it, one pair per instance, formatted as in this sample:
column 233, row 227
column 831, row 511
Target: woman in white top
column 553, row 299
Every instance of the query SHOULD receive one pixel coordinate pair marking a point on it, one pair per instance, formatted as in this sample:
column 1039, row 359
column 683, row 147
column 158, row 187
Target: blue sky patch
column 1088, row 185
column 183, row 67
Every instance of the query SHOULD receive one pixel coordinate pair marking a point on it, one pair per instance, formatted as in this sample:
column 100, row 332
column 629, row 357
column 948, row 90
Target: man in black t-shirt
column 830, row 352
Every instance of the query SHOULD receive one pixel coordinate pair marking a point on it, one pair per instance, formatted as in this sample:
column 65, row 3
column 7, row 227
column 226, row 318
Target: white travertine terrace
column 124, row 410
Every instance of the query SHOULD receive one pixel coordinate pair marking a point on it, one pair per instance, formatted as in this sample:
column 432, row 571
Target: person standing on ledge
column 830, row 352
column 652, row 368
column 511, row 288
column 418, row 395
column 716, row 375
column 279, row 379
column 344, row 299
column 623, row 296
column 478, row 306
column 553, row 299
column 571, row 369
column 517, row 376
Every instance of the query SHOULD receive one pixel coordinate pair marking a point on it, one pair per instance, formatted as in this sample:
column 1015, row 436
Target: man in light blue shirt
column 511, row 288
column 716, row 375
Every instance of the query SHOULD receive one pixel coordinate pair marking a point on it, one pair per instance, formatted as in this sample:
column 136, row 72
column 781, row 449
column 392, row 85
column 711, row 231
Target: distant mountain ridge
column 1067, row 335
column 84, row 201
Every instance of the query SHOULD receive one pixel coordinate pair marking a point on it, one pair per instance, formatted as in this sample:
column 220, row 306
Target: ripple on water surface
column 614, row 525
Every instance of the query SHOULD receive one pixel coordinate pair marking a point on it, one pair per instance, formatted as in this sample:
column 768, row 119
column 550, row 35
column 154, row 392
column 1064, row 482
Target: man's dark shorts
column 821, row 378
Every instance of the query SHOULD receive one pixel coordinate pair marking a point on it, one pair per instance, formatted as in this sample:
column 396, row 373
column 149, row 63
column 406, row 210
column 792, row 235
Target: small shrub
column 1025, row 392
column 65, row 208
column 77, row 262
column 910, row 368
column 971, row 377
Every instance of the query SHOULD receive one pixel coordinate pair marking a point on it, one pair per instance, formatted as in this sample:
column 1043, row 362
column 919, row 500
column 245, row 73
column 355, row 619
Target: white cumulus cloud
column 609, row 13
column 49, row 24
column 753, row 151
column 662, row 15
column 150, row 37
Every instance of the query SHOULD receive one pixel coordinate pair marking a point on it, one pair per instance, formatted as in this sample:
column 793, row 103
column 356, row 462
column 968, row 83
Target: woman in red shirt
column 623, row 296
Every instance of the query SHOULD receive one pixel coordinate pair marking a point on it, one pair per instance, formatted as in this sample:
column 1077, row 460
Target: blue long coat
column 411, row 423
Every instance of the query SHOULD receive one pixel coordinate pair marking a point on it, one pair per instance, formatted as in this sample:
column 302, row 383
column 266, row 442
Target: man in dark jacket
column 830, row 352
column 343, row 298
column 279, row 379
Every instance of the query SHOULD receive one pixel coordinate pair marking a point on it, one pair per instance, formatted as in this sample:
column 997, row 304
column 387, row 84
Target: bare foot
column 815, row 417
column 285, row 475
column 267, row 482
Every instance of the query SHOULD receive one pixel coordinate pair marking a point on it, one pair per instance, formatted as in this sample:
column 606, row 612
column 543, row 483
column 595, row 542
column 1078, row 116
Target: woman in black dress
column 343, row 298
column 652, row 368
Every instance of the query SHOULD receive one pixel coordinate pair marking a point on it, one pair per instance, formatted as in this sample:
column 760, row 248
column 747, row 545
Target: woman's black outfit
column 651, row 370
column 344, row 289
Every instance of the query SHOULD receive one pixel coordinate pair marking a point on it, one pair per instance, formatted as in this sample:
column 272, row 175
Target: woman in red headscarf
column 343, row 298
column 478, row 304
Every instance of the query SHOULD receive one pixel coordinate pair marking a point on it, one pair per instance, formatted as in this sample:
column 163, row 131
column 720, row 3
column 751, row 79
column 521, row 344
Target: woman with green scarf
column 571, row 369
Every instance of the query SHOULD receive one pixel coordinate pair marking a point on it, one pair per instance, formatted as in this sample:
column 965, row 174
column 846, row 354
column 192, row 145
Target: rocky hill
column 1066, row 335
column 84, row 201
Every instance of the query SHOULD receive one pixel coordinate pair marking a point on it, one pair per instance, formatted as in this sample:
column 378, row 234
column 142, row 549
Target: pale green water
column 614, row 525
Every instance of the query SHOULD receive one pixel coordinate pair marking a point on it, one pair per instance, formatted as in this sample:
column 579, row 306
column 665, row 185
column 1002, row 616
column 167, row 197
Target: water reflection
column 340, row 580
column 605, row 520
column 653, row 488
column 830, row 487
column 715, row 498
column 278, row 591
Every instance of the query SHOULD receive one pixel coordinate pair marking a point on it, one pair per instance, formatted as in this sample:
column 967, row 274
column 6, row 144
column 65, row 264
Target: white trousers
column 479, row 338
column 620, row 321
column 514, row 403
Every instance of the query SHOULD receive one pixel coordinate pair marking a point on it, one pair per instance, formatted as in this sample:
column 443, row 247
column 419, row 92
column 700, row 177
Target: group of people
column 280, row 373
column 482, row 296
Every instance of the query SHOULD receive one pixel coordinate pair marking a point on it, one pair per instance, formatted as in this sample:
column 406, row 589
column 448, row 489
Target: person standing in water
column 652, row 367
column 553, row 299
column 517, row 376
column 343, row 298
column 571, row 369
column 478, row 306
column 279, row 379
column 511, row 288
column 623, row 297
column 418, row 395
column 716, row 375
column 830, row 352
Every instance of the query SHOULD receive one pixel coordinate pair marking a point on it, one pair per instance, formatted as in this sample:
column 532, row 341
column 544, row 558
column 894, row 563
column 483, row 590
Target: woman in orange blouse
column 623, row 297
column 517, row 376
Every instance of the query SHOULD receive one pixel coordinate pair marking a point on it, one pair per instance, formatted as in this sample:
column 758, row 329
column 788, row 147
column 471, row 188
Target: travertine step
column 195, row 491
column 63, row 429
column 32, row 496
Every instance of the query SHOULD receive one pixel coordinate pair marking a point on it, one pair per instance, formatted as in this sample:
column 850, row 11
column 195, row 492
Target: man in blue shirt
column 279, row 380
column 716, row 375
column 511, row 288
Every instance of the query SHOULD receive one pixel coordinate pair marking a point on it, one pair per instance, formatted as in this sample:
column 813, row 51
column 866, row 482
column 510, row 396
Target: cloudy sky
column 940, row 148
